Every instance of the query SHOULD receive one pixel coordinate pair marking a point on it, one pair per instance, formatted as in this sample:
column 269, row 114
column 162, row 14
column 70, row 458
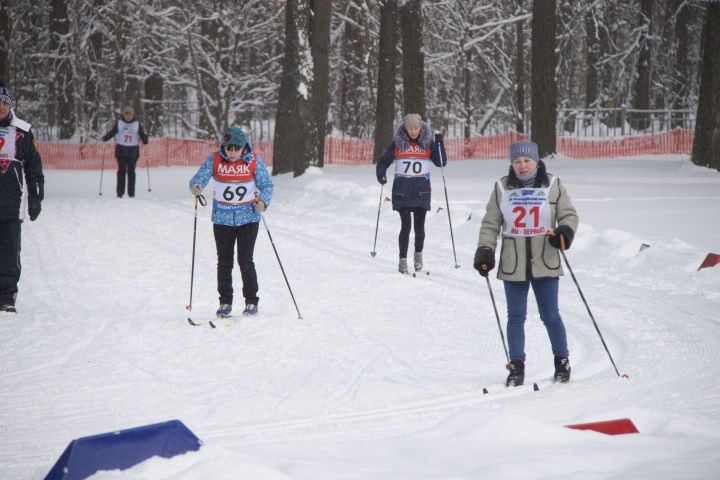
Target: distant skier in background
column 128, row 133
column 242, row 191
column 533, row 212
column 412, row 150
column 18, row 158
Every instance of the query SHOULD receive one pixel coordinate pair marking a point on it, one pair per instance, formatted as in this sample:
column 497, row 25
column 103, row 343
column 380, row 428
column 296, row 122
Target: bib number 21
column 522, row 212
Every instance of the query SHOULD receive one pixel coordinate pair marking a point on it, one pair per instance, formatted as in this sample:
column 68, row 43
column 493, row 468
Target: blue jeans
column 546, row 295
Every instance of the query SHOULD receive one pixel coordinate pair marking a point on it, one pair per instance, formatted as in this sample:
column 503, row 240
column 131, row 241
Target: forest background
column 352, row 68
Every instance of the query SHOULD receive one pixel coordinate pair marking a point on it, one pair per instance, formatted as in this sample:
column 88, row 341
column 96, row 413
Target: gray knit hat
column 6, row 94
column 412, row 120
column 524, row 148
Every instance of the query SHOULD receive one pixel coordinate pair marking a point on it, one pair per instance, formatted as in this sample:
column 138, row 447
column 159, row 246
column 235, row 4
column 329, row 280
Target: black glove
column 382, row 179
column 562, row 231
column 484, row 260
column 34, row 210
column 438, row 138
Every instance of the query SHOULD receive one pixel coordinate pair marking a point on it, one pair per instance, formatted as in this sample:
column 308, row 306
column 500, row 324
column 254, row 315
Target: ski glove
column 34, row 210
column 382, row 179
column 195, row 189
column 562, row 231
column 439, row 138
column 259, row 206
column 484, row 260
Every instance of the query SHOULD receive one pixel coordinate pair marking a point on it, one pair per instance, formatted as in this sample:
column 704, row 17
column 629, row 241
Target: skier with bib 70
column 242, row 190
column 412, row 150
column 533, row 214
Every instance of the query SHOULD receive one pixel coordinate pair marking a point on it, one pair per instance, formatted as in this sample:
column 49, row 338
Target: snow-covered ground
column 383, row 376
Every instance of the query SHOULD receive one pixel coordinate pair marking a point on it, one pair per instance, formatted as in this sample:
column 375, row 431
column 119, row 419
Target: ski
column 218, row 322
column 420, row 273
column 535, row 386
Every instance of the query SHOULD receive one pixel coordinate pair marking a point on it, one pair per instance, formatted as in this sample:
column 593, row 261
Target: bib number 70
column 416, row 166
column 234, row 195
column 522, row 212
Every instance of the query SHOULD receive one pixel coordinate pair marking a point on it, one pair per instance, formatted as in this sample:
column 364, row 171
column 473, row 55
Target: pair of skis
column 219, row 322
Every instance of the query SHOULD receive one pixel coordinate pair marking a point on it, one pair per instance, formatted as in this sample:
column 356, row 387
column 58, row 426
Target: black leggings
column 226, row 239
column 419, row 222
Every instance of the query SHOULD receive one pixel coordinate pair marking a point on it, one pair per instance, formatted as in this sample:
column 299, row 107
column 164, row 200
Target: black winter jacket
column 27, row 164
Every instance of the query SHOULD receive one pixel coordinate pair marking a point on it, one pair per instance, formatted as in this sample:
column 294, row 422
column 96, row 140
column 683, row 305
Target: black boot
column 517, row 373
column 562, row 370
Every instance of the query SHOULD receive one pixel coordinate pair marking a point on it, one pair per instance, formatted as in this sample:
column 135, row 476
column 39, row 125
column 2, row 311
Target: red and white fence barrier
column 172, row 152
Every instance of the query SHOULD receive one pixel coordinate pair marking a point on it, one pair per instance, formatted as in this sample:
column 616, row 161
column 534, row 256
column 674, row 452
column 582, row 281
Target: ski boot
column 250, row 309
column 517, row 373
column 562, row 370
column 417, row 261
column 402, row 266
column 224, row 311
column 8, row 309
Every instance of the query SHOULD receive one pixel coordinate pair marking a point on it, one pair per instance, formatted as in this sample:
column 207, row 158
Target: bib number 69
column 234, row 195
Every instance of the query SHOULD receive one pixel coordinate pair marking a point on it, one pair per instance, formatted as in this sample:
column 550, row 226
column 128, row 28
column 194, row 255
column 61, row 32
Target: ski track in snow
column 102, row 337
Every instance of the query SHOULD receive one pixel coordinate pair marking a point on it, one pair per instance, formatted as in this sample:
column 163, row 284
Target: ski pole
column 447, row 203
column 102, row 170
column 502, row 337
column 147, row 165
column 597, row 328
column 377, row 223
column 198, row 199
column 281, row 267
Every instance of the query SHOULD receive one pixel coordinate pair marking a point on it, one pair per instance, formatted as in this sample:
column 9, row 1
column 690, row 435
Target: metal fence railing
column 615, row 122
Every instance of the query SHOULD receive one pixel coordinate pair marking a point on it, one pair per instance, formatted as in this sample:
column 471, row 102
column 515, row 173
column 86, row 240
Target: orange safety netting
column 171, row 152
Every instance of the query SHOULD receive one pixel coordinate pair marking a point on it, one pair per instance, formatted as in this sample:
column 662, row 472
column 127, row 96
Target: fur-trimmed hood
column 402, row 140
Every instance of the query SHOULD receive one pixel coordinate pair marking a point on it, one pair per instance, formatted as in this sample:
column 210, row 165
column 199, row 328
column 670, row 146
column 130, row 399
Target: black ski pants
column 418, row 214
column 9, row 260
column 226, row 239
column 126, row 166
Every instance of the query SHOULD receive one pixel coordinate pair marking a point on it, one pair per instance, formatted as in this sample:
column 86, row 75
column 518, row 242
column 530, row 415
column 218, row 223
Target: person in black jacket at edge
column 127, row 132
column 18, row 157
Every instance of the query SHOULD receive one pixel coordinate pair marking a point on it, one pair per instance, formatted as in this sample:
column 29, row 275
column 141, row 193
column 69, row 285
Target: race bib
column 412, row 167
column 128, row 134
column 526, row 211
column 7, row 144
column 235, row 193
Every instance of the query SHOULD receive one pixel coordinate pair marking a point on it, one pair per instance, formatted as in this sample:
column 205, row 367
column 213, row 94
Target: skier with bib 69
column 412, row 150
column 532, row 212
column 242, row 190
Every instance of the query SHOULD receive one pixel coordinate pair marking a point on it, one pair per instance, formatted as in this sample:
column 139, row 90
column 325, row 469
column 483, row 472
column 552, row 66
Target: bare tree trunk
column 544, row 88
column 61, row 86
column 413, row 59
column 681, row 75
column 210, row 33
column 6, row 31
column 294, row 142
column 387, row 69
column 467, row 105
column 320, row 47
column 642, row 83
column 706, row 144
column 153, row 113
column 591, row 56
column 520, row 75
